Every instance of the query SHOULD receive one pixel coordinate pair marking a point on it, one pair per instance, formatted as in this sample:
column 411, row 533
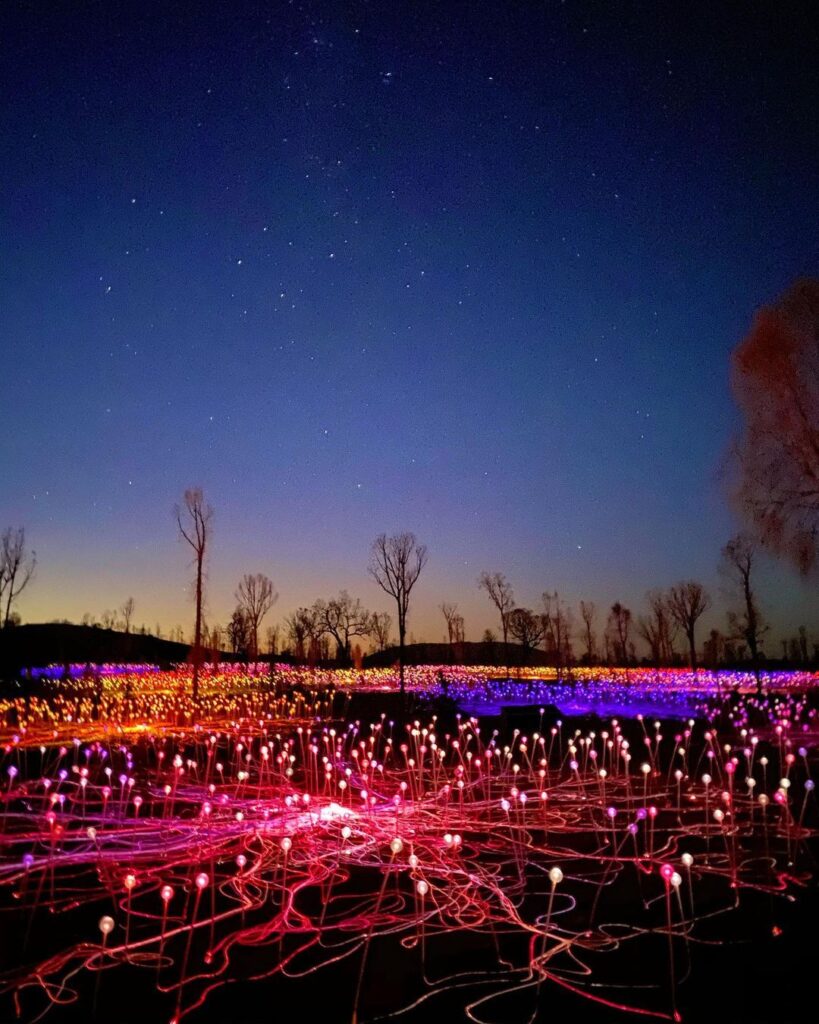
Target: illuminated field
column 275, row 838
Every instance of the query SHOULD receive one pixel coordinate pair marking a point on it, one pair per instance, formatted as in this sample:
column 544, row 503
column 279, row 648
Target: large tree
column 194, row 520
column 687, row 601
column 776, row 384
column 395, row 565
column 256, row 596
column 16, row 569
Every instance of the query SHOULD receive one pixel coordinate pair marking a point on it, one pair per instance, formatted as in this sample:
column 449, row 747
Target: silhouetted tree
column 256, row 596
column 658, row 628
column 395, row 565
column 194, row 521
column 449, row 611
column 557, row 628
column 588, row 613
column 714, row 649
column 776, row 384
column 458, row 629
column 380, row 626
column 302, row 630
column 272, row 636
column 738, row 558
column 501, row 595
column 214, row 642
column 343, row 617
column 16, row 569
column 526, row 627
column 687, row 601
column 239, row 631
column 619, row 628
column 127, row 612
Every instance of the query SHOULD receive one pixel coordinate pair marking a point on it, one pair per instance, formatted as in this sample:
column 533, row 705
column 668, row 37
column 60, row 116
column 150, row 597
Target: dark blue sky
column 473, row 270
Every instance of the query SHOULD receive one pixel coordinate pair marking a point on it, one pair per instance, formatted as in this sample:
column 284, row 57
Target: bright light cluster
column 273, row 826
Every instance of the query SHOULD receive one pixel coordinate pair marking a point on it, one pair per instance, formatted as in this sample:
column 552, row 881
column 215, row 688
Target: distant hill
column 459, row 654
column 54, row 643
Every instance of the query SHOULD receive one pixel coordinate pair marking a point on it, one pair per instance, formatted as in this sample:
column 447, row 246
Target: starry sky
column 472, row 270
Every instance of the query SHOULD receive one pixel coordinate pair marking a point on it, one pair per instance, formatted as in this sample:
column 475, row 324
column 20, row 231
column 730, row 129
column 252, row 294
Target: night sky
column 472, row 270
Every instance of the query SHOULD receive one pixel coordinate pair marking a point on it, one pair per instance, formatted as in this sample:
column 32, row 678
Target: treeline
column 338, row 629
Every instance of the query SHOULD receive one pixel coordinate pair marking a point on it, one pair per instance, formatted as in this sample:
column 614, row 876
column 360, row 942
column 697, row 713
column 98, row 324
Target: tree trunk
column 401, row 633
column 197, row 631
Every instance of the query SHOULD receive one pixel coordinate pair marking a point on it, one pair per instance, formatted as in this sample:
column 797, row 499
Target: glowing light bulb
column 166, row 893
column 201, row 880
column 106, row 924
column 287, row 844
column 555, row 876
column 422, row 888
column 396, row 845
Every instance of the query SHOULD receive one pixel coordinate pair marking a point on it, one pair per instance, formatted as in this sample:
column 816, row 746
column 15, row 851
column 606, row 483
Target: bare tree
column 343, row 617
column 687, row 601
column 108, row 619
column 588, row 613
column 303, row 631
column 450, row 613
column 194, row 521
column 272, row 637
column 395, row 565
column 748, row 625
column 16, row 568
column 557, row 629
column 256, row 596
column 776, row 384
column 501, row 595
column 526, row 627
column 215, row 640
column 619, row 629
column 127, row 612
column 658, row 629
column 380, row 626
column 238, row 631
column 714, row 649
column 458, row 629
